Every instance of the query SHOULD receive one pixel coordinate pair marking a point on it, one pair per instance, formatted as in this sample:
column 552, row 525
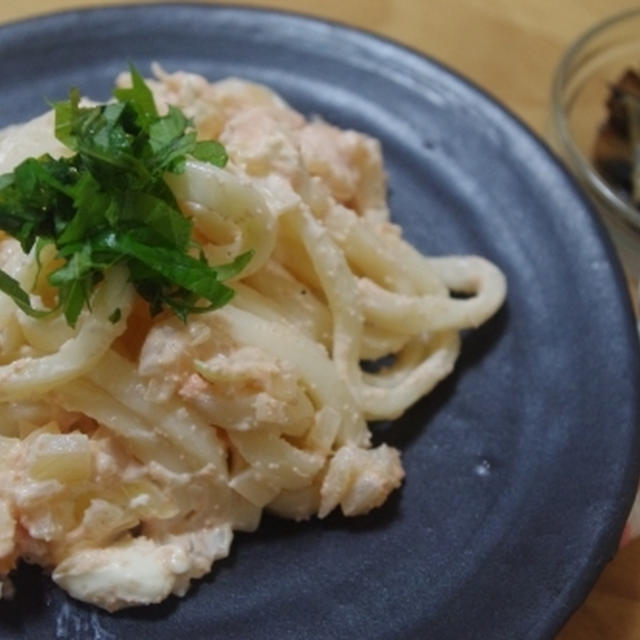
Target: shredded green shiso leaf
column 108, row 204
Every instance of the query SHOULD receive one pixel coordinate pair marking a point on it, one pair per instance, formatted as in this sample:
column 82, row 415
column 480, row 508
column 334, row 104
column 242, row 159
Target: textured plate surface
column 520, row 467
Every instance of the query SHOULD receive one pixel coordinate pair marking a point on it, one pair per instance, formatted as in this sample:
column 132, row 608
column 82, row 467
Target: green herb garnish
column 108, row 204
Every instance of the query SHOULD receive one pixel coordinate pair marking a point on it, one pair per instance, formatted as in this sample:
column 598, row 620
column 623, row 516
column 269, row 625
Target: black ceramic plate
column 520, row 467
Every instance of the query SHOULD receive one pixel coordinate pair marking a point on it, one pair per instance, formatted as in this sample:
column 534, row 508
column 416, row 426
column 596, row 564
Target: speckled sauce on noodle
column 131, row 450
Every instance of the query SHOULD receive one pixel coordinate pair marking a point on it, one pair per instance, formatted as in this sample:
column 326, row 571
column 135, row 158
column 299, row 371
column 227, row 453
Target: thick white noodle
column 218, row 194
column 132, row 435
column 96, row 332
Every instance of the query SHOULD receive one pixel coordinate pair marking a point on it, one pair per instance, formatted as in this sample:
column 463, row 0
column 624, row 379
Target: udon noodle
column 131, row 450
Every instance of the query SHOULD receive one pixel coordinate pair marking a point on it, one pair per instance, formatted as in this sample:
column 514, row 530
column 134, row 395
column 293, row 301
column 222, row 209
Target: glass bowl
column 581, row 87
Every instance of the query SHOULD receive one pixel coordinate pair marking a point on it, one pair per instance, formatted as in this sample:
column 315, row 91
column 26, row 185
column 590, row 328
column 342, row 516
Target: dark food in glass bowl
column 616, row 152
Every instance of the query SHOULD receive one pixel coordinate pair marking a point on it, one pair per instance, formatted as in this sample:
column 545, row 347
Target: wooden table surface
column 510, row 48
